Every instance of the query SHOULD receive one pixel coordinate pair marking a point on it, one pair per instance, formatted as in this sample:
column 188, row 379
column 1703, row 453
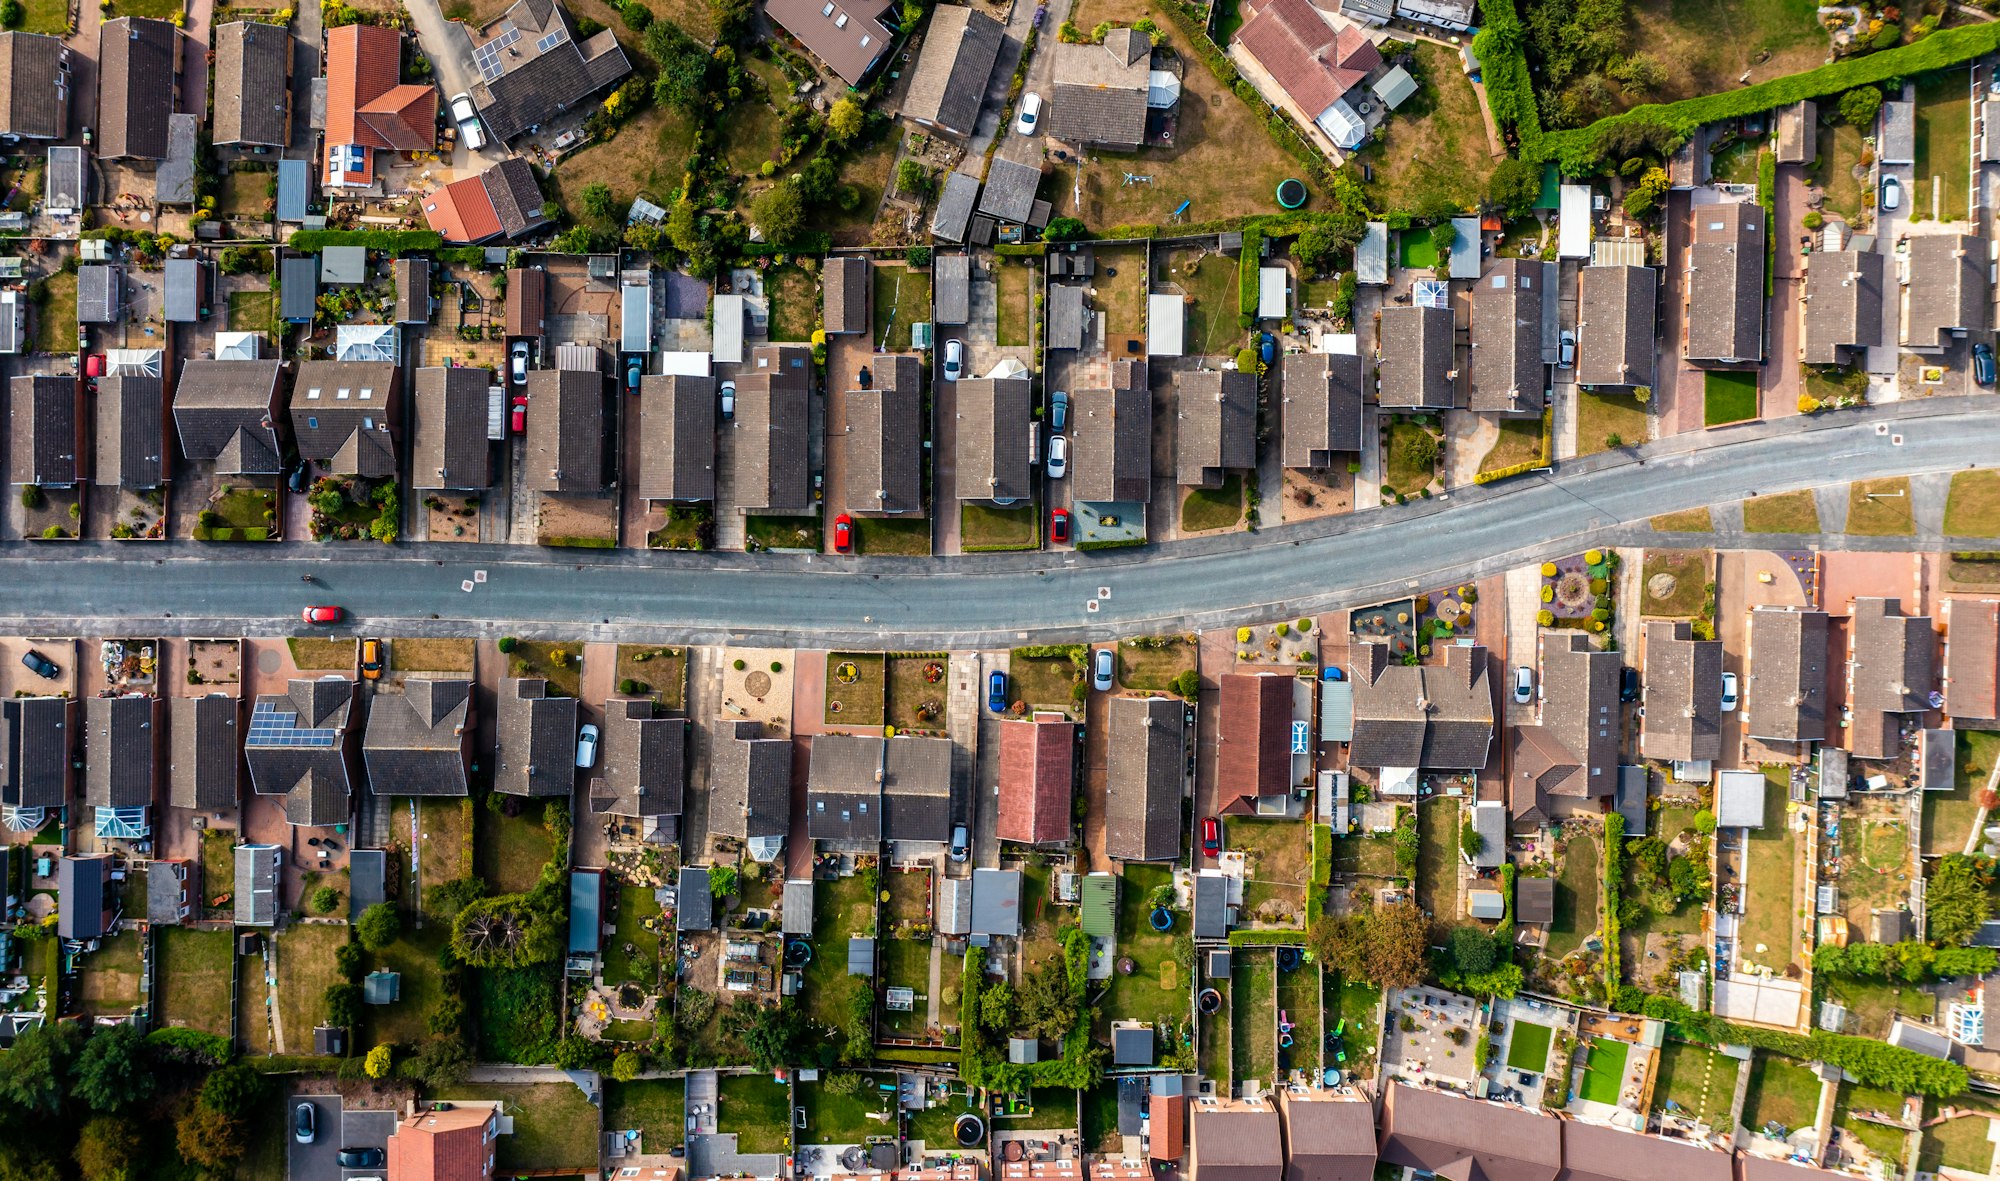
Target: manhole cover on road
column 757, row 684
column 1661, row 586
column 268, row 660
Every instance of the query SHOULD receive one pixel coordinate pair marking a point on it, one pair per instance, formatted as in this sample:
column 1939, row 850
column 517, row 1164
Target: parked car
column 517, row 362
column 1102, row 665
column 996, row 691
column 93, row 365
column 1058, row 456
column 519, row 418
column 728, row 400
column 1524, row 685
column 1267, row 347
column 371, row 660
column 1568, row 349
column 305, row 1123
column 1332, row 672
column 1058, row 411
column 586, row 746
column 1892, row 193
column 1729, row 698
column 635, row 368
column 1982, row 363
column 327, row 614
column 1211, row 835
column 954, row 359
column 1628, row 684
column 961, row 843
column 468, row 121
column 843, row 534
column 1058, row 526
column 1030, row 114
column 360, row 1158
column 295, row 481
column 40, row 665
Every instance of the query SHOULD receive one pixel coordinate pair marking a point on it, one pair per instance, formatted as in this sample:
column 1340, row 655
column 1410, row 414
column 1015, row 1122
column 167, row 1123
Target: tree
column 11, row 13
column 1956, row 899
column 378, row 926
column 113, row 1069
column 780, row 212
column 918, row 257
column 683, row 79
column 235, row 1089
column 1398, row 936
column 1860, row 106
column 343, row 1005
column 107, row 1149
column 209, row 1139
column 378, row 1061
column 1064, row 229
column 325, row 899
column 996, row 1010
column 732, row 20
column 625, row 1067
column 35, row 1073
column 440, row 1062
column 1514, row 186
column 845, row 120
column 722, row 880
column 1638, row 74
column 1471, row 950
column 693, row 1008
column 598, row 201
column 1470, row 842
column 1319, row 243
column 637, row 15
column 507, row 931
column 773, row 1035
column 1649, row 857
column 912, row 178
column 1444, row 235
column 1187, row 683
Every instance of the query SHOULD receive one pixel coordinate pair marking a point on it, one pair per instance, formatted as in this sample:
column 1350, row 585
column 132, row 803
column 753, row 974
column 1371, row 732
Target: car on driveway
column 518, row 419
column 468, row 121
column 1524, row 685
column 728, row 400
column 325, row 615
column 1211, row 835
column 305, row 1123
column 1729, row 697
column 954, row 359
column 961, row 843
column 635, row 368
column 1628, row 684
column 371, row 660
column 361, row 1158
column 1058, row 456
column 296, row 480
column 40, row 665
column 517, row 362
column 1982, row 363
column 1058, row 526
column 1058, row 411
column 1892, row 194
column 996, row 691
column 1567, row 357
column 1030, row 115
column 843, row 534
column 1102, row 664
column 586, row 746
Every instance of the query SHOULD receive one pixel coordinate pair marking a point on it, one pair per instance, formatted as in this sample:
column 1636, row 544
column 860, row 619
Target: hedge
column 392, row 241
column 1082, row 1063
column 1767, row 198
column 190, row 1045
column 472, row 256
column 1247, row 264
column 1020, row 249
column 580, row 542
column 1121, row 543
column 1976, row 555
column 1874, row 1063
column 1614, row 852
column 1268, row 937
column 1516, row 469
column 295, row 1063
column 1910, row 961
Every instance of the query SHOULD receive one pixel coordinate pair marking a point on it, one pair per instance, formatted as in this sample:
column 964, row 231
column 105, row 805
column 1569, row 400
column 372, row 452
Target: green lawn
column 555, row 1127
column 842, row 1119
column 1697, row 1081
column 1405, row 474
column 1041, row 680
column 1415, row 250
column 1158, row 990
column 1781, row 1091
column 1213, row 1048
column 635, row 905
column 1254, row 1018
column 443, row 823
column 1885, row 1142
column 1600, row 416
column 193, row 974
column 1944, row 162
column 1209, row 281
column 1973, row 508
column 1785, row 512
column 758, row 1110
column 906, row 963
column 1018, row 280
column 55, row 315
column 1299, row 996
column 902, row 298
column 1875, row 1004
column 218, row 871
column 415, row 957
column 987, row 529
column 1520, row 442
column 305, row 968
column 933, row 1125
column 1694, row 520
column 1948, row 815
column 1433, row 153
column 864, row 695
column 841, row 908
column 654, row 1106
column 1577, row 891
column 1728, row 395
column 1958, row 1144
column 44, row 16
column 1605, row 1071
column 1437, row 858
column 901, row 536
column 1529, row 1049
column 1365, row 854
column 1141, row 665
column 251, row 311
column 1840, row 149
column 1100, row 1117
column 1735, row 163
column 240, row 515
column 1354, row 1004
column 1213, row 508
column 1278, row 862
column 1769, row 932
column 511, row 850
column 1689, row 569
column 564, row 673
column 1880, row 508
column 799, row 533
column 795, row 302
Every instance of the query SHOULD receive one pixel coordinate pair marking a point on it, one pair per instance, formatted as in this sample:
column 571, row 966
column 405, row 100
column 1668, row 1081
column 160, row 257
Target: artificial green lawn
column 1605, row 1070
column 1529, row 1049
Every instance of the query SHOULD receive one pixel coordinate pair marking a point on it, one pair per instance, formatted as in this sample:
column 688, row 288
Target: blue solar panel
column 271, row 726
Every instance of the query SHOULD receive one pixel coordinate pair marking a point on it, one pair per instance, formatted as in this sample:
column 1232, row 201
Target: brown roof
column 449, row 447
column 1535, row 900
column 413, row 290
column 885, row 445
column 1574, row 752
column 1843, row 305
column 1972, row 659
column 546, row 68
column 1464, row 1139
column 1236, row 1145
column 137, row 61
column 527, row 301
column 676, row 437
column 1144, row 772
column 750, row 782
column 1597, row 1152
column 1508, row 374
column 847, row 287
column 1892, row 668
column 449, row 1145
column 1168, row 1140
column 992, row 439
column 125, row 738
column 1321, row 402
column 1725, row 289
column 1418, row 367
column 45, row 426
column 253, row 65
column 1798, row 133
column 344, row 415
column 849, row 39
column 1253, row 742
column 644, row 768
column 536, row 751
column 1296, row 45
column 566, row 425
column 1764, row 1168
column 34, row 89
column 772, row 429
column 1329, row 1139
column 1114, row 444
column 1615, row 325
column 1100, row 91
column 1037, row 761
column 1785, row 690
column 226, row 412
column 1421, row 715
column 131, row 412
column 949, row 83
column 1683, row 719
column 1216, row 426
column 1955, row 292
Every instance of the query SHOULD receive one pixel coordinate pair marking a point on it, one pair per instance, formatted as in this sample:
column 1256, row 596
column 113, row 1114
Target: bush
column 378, row 926
column 1187, row 684
column 1545, row 618
column 1860, row 106
column 636, row 15
column 32, row 496
column 507, row 643
column 324, row 899
column 628, row 686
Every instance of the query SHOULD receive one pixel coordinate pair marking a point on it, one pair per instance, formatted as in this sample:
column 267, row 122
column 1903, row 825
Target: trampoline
column 969, row 1130
column 798, row 953
column 1291, row 192
column 1209, row 1001
column 1163, row 919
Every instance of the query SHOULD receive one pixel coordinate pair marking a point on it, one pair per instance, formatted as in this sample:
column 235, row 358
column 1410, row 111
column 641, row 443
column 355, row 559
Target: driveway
column 338, row 1129
column 446, row 43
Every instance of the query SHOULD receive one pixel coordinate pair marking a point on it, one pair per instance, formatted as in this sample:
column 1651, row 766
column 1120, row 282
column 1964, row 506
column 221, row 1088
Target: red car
column 323, row 615
column 1211, row 836
column 843, row 534
column 1059, row 526
column 520, row 423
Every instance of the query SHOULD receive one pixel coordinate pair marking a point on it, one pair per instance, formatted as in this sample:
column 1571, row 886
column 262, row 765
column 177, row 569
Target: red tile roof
column 1169, row 1139
column 366, row 102
column 1300, row 50
column 462, row 211
column 442, row 1146
column 1036, row 763
column 1253, row 749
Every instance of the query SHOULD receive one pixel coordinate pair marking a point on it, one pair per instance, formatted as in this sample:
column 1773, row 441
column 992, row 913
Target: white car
column 468, row 121
column 1029, row 118
column 728, row 400
column 517, row 362
column 586, row 747
column 1892, row 193
column 1729, row 698
column 1058, row 456
column 1102, row 665
column 1524, row 685
column 954, row 359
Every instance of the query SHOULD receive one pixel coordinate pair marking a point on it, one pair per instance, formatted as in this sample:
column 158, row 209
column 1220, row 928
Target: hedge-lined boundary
column 393, row 241
column 1517, row 469
column 1767, row 199
column 1247, row 264
column 1268, row 937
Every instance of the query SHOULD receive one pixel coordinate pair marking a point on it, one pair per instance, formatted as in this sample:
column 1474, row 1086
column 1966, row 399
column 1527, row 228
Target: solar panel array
column 272, row 726
column 487, row 56
column 551, row 41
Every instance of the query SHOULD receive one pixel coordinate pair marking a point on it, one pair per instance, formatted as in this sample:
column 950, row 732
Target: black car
column 40, row 665
column 1628, row 684
column 305, row 1123
column 296, row 481
column 360, row 1158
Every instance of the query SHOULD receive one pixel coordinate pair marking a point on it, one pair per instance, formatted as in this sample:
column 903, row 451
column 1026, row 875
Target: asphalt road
column 986, row 600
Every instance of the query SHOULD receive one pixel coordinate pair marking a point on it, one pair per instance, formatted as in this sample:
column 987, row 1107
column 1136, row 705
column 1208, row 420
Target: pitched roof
column 750, row 782
column 951, row 279
column 1616, row 310
column 1010, row 190
column 1535, row 900
column 1467, row 1139
column 137, row 61
column 1599, row 1152
column 992, row 439
column 949, row 83
column 253, row 65
column 1417, row 367
column 205, row 755
column 45, row 426
column 954, row 207
column 1683, row 719
column 1100, row 91
column 419, row 741
column 1955, row 291
column 1144, row 774
column 225, row 411
column 413, row 290
column 1797, row 133
column 1066, row 315
column 1725, row 320
column 1785, row 689
column 1972, row 659
column 1892, row 668
column 1843, row 305
column 527, row 301
column 122, row 750
column 1574, row 752
column 1508, row 374
column 1114, row 444
column 772, row 430
column 84, row 885
column 448, row 443
column 1037, row 763
column 643, row 771
column 99, row 297
column 131, row 431
column 1421, row 715
column 344, row 415
column 1321, row 401
column 844, row 788
column 449, row 1145
column 1237, row 1144
column 885, row 445
column 676, row 437
column 368, row 105
column 1253, row 745
column 1300, row 50
column 503, row 200
column 298, row 747
column 916, row 789
column 1215, row 431
column 516, row 196
column 533, row 68
column 34, row 89
column 535, row 754
column 1168, row 1138
column 566, row 429
column 1328, row 1139
column 36, row 768
column 846, row 286
column 850, row 39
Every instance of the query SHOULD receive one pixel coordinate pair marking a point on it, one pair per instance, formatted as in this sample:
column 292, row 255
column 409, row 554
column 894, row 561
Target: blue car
column 996, row 692
column 1268, row 348
column 1982, row 363
column 1058, row 411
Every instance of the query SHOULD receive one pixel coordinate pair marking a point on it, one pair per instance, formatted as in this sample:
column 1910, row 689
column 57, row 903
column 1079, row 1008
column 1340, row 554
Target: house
column 1897, row 141
column 301, row 747
column 37, row 770
column 1145, row 775
column 1416, row 368
column 1113, row 432
column 1408, row 717
column 535, row 754
column 1573, row 755
column 994, row 416
column 449, row 417
column 996, row 902
column 1253, row 752
column 1435, row 1131
column 884, row 426
column 131, row 444
column 1972, row 660
column 1785, row 684
column 34, row 103
column 204, row 752
column 527, row 302
column 1240, row 1142
column 846, row 290
column 369, row 108
column 227, row 413
column 1009, row 195
column 45, row 429
column 677, row 437
column 1321, row 407
column 1603, row 1152
column 1511, row 306
column 863, row 789
column 1683, row 722
column 1328, row 1139
column 1725, row 285
column 1842, row 306
column 345, row 415
column 1798, row 133
column 1616, row 311
column 772, row 429
column 849, row 37
column 1166, row 1114
column 100, row 294
column 951, row 279
column 173, row 180
column 566, row 424
column 1955, row 292
column 298, row 289
column 643, row 770
column 89, row 907
column 138, row 60
column 185, row 290
column 949, row 83
column 1891, row 670
column 173, row 891
column 450, row 1142
column 124, row 747
column 1296, row 47
column 419, row 741
column 258, row 868
column 532, row 67
column 504, row 201
column 1037, row 779
column 750, row 788
column 1100, row 95
column 1216, row 426
column 253, row 71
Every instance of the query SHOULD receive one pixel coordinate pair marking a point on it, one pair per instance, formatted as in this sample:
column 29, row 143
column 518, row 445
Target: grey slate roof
column 65, row 185
column 173, row 181
column 954, row 206
column 1421, row 715
column 1066, row 315
column 547, row 70
column 996, row 902
column 448, row 445
column 1216, row 428
column 344, row 415
column 1508, row 374
column 1725, row 287
column 299, row 747
column 1144, row 774
column 846, row 287
column 125, row 736
column 1892, row 668
column 566, row 424
column 413, row 290
column 36, row 769
column 1843, row 305
column 1114, row 444
column 1683, row 719
column 750, row 782
column 34, row 90
column 1949, row 287
column 535, row 754
column 677, row 437
column 1897, row 143
column 1417, row 367
column 252, row 84
column 1798, row 131
column 1211, row 905
column 1574, row 752
column 1785, row 691
column 172, row 891
column 517, row 199
column 226, row 411
column 298, row 288
column 44, row 429
column 1010, row 190
column 1535, row 900
column 131, row 432
column 772, row 429
column 694, row 902
column 294, row 189
column 850, row 38
column 863, row 788
column 84, row 885
column 796, row 913
column 205, row 754
column 138, row 59
column 1989, row 130
column 1100, row 91
column 257, row 885
column 885, row 443
column 99, row 293
column 1321, row 407
column 950, row 79
column 643, row 768
column 1616, row 309
column 992, row 439
column 951, row 279
column 419, row 742
column 186, row 289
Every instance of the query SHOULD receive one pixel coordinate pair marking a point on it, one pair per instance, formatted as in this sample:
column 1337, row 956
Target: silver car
column 1101, row 665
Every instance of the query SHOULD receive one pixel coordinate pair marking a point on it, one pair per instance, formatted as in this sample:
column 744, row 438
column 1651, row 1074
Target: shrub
column 1304, row 625
column 1860, row 106
column 1548, row 569
column 737, row 665
column 32, row 496
column 1188, row 684
column 507, row 643
column 777, row 666
column 324, row 899
column 1545, row 618
column 378, row 926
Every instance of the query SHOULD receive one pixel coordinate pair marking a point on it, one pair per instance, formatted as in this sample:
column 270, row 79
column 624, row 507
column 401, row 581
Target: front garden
column 1578, row 592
